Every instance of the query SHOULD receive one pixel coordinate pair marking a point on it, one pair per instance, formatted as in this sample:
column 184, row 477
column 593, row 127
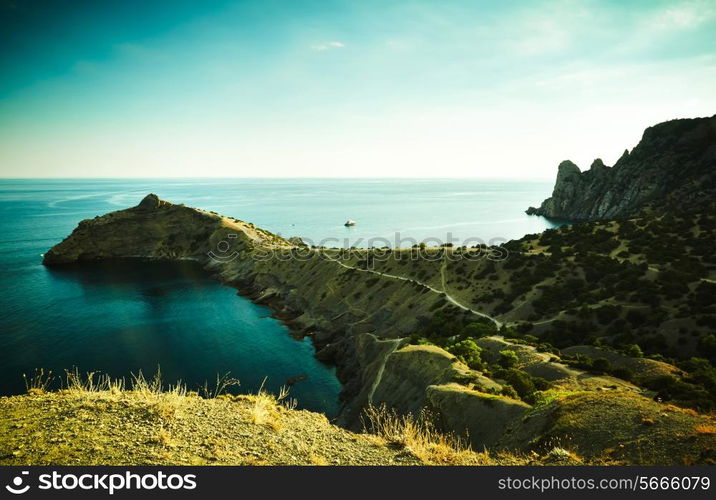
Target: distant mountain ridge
column 673, row 167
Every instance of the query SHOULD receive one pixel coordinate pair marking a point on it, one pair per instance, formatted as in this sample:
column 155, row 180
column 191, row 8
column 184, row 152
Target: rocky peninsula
column 414, row 334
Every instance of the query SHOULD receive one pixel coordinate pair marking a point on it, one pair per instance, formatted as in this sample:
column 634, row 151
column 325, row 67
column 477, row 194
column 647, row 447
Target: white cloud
column 328, row 45
column 689, row 15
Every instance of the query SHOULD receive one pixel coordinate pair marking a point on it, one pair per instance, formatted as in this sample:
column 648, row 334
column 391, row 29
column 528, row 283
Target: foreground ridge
column 140, row 427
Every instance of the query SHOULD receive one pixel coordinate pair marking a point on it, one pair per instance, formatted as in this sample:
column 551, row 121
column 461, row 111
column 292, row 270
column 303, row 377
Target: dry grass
column 39, row 382
column 164, row 438
column 265, row 411
column 309, row 451
column 419, row 437
column 223, row 382
column 562, row 456
column 687, row 411
column 705, row 429
column 266, row 407
column 91, row 383
column 317, row 459
column 164, row 401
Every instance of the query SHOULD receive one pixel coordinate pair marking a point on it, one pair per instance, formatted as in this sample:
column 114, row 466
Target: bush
column 508, row 359
column 607, row 313
column 417, row 339
column 636, row 318
column 468, row 352
column 601, row 365
column 623, row 373
column 479, row 329
column 707, row 346
column 634, row 351
column 670, row 388
column 523, row 383
column 509, row 391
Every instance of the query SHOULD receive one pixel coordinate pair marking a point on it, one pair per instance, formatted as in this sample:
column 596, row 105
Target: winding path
column 381, row 369
column 452, row 299
column 657, row 270
column 447, row 296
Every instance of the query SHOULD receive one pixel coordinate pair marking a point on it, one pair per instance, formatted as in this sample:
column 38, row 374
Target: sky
column 339, row 88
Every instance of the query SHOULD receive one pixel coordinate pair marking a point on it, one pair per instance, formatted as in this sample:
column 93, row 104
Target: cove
column 120, row 317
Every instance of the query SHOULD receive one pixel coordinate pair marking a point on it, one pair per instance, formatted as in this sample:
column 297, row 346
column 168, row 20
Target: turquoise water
column 122, row 318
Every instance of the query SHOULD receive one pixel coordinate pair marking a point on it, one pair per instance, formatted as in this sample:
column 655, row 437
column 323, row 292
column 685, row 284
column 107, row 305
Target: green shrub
column 523, row 383
column 601, row 365
column 509, row 391
column 468, row 352
column 508, row 359
column 479, row 329
column 636, row 318
column 634, row 351
column 623, row 373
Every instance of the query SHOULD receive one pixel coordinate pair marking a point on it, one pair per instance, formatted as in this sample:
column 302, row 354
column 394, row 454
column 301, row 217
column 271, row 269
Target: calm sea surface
column 119, row 319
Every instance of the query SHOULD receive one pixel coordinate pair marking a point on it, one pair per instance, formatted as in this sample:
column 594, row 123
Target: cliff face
column 673, row 167
column 154, row 229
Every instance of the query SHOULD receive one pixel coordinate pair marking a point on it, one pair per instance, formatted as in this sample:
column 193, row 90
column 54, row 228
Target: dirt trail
column 443, row 292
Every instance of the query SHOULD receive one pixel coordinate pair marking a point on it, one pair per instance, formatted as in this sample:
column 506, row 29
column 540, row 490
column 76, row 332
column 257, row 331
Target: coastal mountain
column 156, row 230
column 672, row 168
column 510, row 347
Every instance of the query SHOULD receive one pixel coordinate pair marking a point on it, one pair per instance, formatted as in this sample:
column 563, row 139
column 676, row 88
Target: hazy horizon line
column 282, row 177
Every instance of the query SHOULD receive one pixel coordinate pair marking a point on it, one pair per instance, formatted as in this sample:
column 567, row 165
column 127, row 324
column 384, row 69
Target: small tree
column 520, row 381
column 509, row 391
column 634, row 351
column 508, row 359
column 479, row 330
column 468, row 352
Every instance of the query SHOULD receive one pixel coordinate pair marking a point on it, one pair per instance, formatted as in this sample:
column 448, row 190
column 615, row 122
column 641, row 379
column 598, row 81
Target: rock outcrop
column 673, row 168
column 408, row 373
column 154, row 229
column 480, row 418
column 413, row 377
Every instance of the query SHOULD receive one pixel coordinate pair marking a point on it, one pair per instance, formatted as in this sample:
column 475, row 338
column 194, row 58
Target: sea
column 120, row 319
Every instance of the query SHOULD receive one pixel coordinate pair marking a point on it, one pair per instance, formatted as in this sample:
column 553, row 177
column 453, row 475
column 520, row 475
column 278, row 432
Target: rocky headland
column 673, row 168
column 403, row 332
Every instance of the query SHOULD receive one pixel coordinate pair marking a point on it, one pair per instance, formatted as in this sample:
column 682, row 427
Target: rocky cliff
column 317, row 295
column 156, row 229
column 673, row 167
column 360, row 318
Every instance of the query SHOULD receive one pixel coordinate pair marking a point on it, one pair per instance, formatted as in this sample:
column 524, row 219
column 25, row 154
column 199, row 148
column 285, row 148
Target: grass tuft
column 419, row 437
column 705, row 429
column 39, row 382
column 266, row 408
column 562, row 455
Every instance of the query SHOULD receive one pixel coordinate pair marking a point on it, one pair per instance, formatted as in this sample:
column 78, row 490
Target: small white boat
column 350, row 223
